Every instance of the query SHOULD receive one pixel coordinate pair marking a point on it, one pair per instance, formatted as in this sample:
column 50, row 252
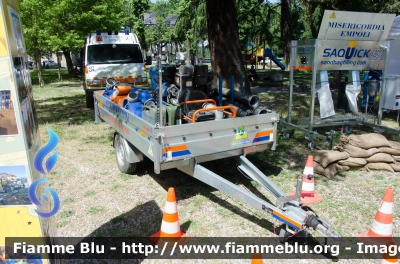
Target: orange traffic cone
column 256, row 258
column 308, row 195
column 381, row 230
column 170, row 227
column 387, row 259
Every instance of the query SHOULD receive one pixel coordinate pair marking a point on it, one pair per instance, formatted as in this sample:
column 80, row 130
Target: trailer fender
column 133, row 155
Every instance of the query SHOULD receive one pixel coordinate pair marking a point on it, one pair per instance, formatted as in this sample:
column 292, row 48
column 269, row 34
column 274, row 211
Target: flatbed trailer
column 186, row 146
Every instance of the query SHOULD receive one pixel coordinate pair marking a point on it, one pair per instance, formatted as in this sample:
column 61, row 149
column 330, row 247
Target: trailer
column 186, row 146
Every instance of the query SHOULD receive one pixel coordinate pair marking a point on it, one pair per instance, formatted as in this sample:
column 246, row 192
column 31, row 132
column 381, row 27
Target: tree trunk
column 203, row 52
column 223, row 33
column 59, row 66
column 285, row 31
column 187, row 51
column 38, row 61
column 68, row 60
column 263, row 53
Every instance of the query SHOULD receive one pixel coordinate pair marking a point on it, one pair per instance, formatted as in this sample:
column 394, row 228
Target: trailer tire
column 348, row 129
column 311, row 144
column 120, row 155
column 89, row 100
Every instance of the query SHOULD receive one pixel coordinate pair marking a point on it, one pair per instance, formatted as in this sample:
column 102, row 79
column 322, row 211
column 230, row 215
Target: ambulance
column 112, row 54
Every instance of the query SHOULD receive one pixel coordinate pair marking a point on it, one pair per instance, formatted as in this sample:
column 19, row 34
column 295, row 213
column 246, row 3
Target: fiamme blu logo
column 49, row 165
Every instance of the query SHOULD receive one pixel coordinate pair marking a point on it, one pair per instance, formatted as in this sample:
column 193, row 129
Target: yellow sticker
column 241, row 137
column 298, row 59
column 332, row 15
column 150, row 151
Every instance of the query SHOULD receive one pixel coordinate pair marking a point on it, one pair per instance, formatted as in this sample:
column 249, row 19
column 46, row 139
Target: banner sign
column 355, row 26
column 350, row 55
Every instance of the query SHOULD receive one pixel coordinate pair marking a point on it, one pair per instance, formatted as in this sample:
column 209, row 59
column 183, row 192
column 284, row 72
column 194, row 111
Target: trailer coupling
column 288, row 209
column 323, row 227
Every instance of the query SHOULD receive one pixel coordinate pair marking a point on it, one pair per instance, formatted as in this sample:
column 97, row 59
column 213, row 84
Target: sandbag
column 379, row 166
column 339, row 148
column 395, row 166
column 396, row 158
column 394, row 144
column 380, row 157
column 344, row 139
column 352, row 92
column 326, row 107
column 367, row 141
column 391, row 151
column 319, row 169
column 353, row 162
column 356, row 152
column 334, row 169
column 329, row 171
column 360, row 168
column 326, row 157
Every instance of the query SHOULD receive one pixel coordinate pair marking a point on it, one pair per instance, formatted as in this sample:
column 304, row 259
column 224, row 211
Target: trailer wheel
column 311, row 144
column 286, row 135
column 348, row 129
column 120, row 155
column 89, row 100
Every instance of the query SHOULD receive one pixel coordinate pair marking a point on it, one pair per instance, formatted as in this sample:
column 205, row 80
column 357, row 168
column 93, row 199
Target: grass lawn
column 98, row 200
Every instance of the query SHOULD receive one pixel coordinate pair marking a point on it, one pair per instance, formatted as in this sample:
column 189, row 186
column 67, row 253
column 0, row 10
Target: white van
column 113, row 54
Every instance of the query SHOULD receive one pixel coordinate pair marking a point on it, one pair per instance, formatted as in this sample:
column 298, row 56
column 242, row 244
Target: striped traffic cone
column 170, row 227
column 256, row 258
column 308, row 195
column 387, row 259
column 381, row 230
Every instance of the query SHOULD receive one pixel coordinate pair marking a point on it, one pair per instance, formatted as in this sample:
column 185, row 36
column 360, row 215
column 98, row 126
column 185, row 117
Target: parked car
column 49, row 64
column 31, row 65
column 207, row 60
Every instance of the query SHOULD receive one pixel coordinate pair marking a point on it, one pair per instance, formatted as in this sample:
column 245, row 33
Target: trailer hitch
column 322, row 227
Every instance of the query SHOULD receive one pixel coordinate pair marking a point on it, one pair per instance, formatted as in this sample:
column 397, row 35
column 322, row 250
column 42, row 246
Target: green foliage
column 33, row 20
column 258, row 20
column 161, row 9
column 54, row 25
column 133, row 17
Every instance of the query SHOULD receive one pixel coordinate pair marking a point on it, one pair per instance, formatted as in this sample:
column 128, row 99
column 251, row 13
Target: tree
column 63, row 25
column 161, row 9
column 286, row 30
column 184, row 29
column 35, row 34
column 134, row 13
column 70, row 23
column 224, row 43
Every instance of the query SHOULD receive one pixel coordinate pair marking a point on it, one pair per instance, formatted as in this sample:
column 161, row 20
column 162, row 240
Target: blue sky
column 17, row 170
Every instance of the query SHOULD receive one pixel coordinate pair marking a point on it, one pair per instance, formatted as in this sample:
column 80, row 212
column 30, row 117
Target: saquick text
column 346, row 53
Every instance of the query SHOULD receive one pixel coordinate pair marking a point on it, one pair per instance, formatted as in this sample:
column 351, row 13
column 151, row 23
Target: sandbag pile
column 369, row 151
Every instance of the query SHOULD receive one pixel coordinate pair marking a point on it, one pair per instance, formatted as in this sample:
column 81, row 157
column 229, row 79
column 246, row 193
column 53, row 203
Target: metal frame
column 307, row 125
column 212, row 140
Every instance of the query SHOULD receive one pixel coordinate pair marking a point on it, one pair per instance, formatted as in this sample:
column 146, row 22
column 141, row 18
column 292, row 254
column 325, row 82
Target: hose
column 251, row 100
